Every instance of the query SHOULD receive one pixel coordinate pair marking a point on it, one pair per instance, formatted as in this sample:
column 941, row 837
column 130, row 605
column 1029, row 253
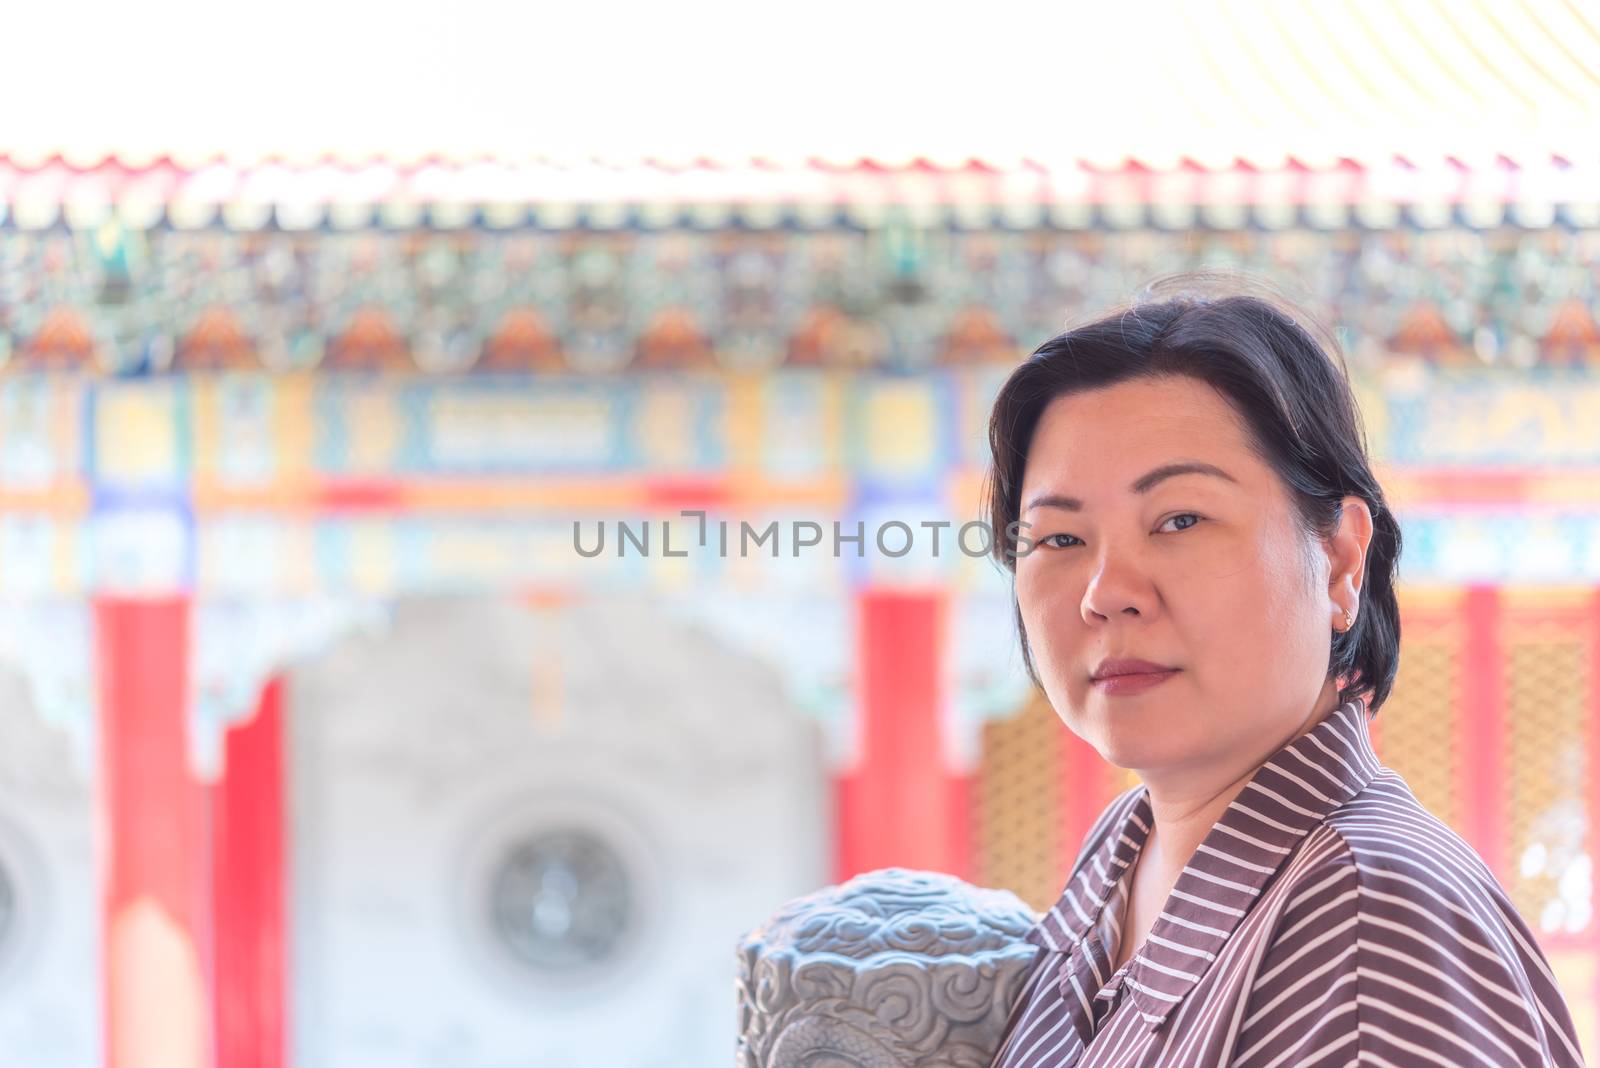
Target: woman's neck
column 1184, row 808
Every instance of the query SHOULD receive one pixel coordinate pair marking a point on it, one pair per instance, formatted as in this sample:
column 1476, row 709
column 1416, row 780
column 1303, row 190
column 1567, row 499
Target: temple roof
column 762, row 194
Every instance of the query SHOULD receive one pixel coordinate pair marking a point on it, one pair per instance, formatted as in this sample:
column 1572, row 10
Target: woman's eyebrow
column 1143, row 484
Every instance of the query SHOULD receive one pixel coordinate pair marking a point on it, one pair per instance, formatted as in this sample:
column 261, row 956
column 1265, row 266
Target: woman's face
column 1202, row 572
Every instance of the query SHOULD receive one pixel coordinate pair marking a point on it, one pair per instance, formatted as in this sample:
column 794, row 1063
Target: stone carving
column 561, row 899
column 892, row 969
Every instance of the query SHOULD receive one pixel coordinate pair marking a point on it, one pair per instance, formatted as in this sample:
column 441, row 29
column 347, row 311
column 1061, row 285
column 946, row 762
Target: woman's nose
column 1117, row 587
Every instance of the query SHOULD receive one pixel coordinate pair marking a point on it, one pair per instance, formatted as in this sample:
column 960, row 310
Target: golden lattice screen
column 1547, row 673
column 1417, row 729
column 1016, row 805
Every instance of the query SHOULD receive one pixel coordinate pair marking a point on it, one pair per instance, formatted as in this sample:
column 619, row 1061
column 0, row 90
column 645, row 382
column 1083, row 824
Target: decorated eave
column 37, row 194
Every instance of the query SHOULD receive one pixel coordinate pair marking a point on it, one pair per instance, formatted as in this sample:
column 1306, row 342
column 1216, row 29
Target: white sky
column 835, row 78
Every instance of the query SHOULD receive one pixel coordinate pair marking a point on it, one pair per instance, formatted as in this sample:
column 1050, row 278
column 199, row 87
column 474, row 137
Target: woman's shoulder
column 1436, row 952
column 1395, row 841
column 1406, row 881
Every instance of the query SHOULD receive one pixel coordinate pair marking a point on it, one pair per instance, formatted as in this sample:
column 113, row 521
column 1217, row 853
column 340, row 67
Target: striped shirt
column 1326, row 919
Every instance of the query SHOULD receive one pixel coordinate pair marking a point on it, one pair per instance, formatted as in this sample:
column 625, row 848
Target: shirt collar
column 1290, row 794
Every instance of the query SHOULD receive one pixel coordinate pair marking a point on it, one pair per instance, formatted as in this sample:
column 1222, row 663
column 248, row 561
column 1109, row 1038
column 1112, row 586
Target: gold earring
column 1349, row 619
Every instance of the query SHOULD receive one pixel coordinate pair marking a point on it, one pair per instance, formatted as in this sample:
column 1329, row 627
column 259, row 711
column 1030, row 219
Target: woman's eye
column 1184, row 515
column 1057, row 541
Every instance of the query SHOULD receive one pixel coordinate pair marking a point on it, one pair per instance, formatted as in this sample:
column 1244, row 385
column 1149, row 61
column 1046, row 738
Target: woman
column 1204, row 571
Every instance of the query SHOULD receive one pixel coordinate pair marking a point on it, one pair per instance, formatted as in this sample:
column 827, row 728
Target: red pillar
column 1085, row 788
column 1481, row 729
column 901, row 805
column 1592, row 838
column 150, row 826
column 248, row 889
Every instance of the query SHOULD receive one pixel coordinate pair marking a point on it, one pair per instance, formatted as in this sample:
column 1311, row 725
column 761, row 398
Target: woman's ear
column 1347, row 554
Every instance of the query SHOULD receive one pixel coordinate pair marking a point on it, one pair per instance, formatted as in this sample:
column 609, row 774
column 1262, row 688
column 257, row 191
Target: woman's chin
column 1141, row 744
column 1136, row 757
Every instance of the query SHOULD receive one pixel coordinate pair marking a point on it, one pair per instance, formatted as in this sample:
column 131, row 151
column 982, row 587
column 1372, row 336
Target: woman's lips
column 1123, row 685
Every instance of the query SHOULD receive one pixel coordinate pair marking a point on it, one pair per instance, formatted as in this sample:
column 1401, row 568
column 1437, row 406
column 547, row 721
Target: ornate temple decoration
column 450, row 270
column 561, row 900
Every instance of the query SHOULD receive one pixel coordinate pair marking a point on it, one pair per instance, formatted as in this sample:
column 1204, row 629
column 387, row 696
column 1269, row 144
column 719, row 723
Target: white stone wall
column 419, row 755
column 50, row 999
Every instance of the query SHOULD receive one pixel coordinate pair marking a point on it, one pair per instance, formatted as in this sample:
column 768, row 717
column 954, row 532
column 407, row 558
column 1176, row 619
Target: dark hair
column 1292, row 390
